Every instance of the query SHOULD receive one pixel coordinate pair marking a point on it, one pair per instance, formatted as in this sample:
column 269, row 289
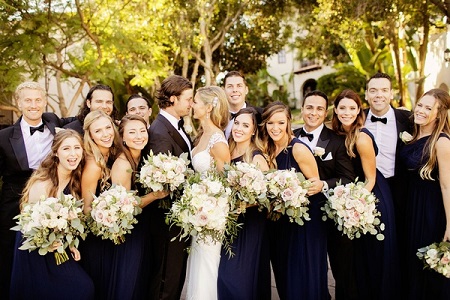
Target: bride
column 211, row 151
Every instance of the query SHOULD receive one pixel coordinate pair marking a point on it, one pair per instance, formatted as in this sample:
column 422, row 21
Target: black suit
column 168, row 259
column 335, row 166
column 76, row 125
column 15, row 172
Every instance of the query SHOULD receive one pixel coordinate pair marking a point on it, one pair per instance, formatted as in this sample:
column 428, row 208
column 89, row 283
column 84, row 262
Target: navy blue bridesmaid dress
column 376, row 262
column 426, row 224
column 299, row 253
column 246, row 275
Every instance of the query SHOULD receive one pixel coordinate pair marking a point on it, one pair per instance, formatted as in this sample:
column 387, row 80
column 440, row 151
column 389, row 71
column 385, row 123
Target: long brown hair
column 124, row 148
column 48, row 169
column 352, row 135
column 255, row 142
column 442, row 124
column 269, row 146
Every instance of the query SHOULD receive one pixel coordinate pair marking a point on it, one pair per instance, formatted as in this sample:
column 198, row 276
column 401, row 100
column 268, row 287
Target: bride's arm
column 221, row 155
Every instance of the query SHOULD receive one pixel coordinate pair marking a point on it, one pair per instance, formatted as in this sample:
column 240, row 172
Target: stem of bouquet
column 61, row 257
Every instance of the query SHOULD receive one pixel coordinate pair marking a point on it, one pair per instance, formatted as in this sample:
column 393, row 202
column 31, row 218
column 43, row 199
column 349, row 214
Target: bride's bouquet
column 113, row 213
column 436, row 257
column 353, row 209
column 52, row 222
column 204, row 210
column 248, row 186
column 287, row 190
column 164, row 172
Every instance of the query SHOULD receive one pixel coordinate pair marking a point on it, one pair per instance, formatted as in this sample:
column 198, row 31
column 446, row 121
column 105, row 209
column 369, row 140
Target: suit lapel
column 50, row 125
column 18, row 146
column 324, row 139
column 176, row 136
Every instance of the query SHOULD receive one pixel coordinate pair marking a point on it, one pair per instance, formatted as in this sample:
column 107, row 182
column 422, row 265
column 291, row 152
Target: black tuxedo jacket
column 75, row 125
column 163, row 138
column 335, row 165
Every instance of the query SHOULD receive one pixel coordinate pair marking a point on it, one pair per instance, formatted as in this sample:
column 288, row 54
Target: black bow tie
column 38, row 128
column 232, row 115
column 375, row 119
column 303, row 133
column 180, row 124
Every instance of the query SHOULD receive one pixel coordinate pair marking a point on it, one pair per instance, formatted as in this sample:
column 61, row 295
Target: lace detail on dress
column 202, row 160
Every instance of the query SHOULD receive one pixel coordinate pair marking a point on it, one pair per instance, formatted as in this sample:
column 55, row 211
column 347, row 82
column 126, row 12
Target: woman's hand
column 315, row 187
column 75, row 253
column 160, row 194
column 447, row 235
column 54, row 246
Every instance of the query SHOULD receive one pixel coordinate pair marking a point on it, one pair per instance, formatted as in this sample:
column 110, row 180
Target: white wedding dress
column 203, row 260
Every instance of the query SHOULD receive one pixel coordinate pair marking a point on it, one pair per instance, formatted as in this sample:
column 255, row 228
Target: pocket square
column 328, row 157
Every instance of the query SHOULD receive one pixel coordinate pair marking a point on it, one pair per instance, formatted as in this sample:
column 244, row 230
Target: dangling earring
column 207, row 115
column 123, row 142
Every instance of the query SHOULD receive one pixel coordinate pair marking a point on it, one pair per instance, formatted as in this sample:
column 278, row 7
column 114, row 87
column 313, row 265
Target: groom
column 166, row 134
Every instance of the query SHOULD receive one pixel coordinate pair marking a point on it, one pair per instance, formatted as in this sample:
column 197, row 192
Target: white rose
column 319, row 151
column 405, row 137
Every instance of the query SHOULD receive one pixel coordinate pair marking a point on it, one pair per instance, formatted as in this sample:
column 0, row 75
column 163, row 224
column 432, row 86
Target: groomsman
column 386, row 123
column 334, row 166
column 99, row 97
column 236, row 90
column 22, row 148
column 139, row 105
column 168, row 259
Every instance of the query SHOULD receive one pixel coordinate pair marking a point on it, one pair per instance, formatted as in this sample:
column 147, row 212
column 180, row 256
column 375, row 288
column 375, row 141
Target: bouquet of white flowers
column 248, row 186
column 353, row 209
column 49, row 222
column 113, row 213
column 204, row 210
column 164, row 172
column 436, row 257
column 288, row 189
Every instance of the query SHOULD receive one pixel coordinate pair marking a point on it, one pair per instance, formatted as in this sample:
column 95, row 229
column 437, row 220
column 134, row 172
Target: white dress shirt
column 38, row 145
column 174, row 122
column 386, row 139
column 316, row 133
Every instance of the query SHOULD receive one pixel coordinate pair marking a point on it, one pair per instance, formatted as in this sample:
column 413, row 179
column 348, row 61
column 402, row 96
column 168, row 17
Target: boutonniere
column 58, row 129
column 188, row 128
column 319, row 151
column 405, row 137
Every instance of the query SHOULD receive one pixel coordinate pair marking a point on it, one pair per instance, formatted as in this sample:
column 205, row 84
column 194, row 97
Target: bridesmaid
column 295, row 251
column 246, row 275
column 428, row 192
column 35, row 276
column 376, row 262
column 101, row 142
column 128, row 256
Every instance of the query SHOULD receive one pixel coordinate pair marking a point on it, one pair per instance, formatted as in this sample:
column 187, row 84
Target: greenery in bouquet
column 114, row 213
column 52, row 221
column 287, row 190
column 353, row 209
column 205, row 210
column 164, row 172
column 436, row 257
column 248, row 186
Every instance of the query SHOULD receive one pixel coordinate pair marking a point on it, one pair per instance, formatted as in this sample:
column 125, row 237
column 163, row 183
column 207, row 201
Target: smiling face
column 236, row 91
column 277, row 126
column 138, row 106
column 347, row 110
column 426, row 111
column 135, row 135
column 379, row 95
column 101, row 100
column 31, row 103
column 243, row 128
column 70, row 153
column 314, row 112
column 102, row 133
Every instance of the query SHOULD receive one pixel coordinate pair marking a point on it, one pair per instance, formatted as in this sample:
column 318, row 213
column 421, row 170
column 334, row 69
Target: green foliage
column 345, row 77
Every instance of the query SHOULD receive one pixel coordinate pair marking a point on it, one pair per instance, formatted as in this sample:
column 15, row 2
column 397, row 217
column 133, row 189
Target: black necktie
column 375, row 119
column 180, row 124
column 232, row 115
column 38, row 128
column 303, row 133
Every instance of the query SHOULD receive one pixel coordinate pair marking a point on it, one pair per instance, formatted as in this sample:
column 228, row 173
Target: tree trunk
column 423, row 48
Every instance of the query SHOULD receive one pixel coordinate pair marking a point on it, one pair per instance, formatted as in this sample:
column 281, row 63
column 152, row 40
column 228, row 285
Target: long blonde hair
column 442, row 124
column 48, row 169
column 216, row 97
column 92, row 149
